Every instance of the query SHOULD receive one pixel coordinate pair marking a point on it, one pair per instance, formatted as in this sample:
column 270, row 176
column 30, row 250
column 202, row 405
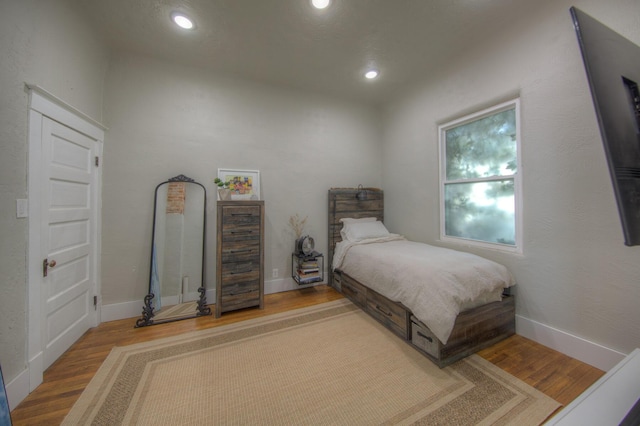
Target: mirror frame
column 202, row 307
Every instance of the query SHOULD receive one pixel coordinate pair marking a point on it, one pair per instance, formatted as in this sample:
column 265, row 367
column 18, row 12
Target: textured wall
column 47, row 43
column 165, row 120
column 575, row 275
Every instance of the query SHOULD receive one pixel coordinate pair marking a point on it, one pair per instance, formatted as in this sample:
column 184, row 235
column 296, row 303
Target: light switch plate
column 22, row 208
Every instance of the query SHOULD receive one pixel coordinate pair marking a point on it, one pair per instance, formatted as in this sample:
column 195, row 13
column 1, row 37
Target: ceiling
column 289, row 43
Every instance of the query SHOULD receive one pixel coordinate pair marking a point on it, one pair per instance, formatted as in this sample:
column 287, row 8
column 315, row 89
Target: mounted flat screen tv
column 613, row 69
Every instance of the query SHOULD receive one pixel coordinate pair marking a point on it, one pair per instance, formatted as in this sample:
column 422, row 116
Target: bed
column 447, row 304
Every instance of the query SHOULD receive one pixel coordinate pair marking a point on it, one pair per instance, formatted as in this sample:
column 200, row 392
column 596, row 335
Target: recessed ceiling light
column 320, row 4
column 371, row 74
column 182, row 21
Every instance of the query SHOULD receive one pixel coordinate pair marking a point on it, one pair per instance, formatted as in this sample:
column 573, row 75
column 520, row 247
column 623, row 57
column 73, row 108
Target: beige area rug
column 326, row 364
column 176, row 311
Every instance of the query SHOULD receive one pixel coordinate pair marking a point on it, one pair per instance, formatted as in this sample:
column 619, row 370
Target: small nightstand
column 307, row 268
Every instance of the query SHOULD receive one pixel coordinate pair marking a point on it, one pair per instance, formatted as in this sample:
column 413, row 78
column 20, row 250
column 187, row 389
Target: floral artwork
column 243, row 184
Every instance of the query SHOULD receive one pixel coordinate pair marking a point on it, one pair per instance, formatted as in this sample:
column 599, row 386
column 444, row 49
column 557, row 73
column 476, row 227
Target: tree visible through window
column 479, row 176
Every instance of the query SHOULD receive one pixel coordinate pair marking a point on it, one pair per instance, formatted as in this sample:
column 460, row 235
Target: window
column 479, row 178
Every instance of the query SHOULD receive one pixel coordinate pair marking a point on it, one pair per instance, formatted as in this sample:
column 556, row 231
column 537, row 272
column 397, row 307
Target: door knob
column 46, row 264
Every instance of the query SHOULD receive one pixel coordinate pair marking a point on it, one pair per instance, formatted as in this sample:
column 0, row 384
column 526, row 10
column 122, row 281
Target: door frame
column 44, row 104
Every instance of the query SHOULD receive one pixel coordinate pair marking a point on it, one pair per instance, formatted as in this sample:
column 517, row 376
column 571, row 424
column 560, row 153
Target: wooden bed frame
column 474, row 329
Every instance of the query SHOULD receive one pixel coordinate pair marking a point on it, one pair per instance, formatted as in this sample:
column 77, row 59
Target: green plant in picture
column 221, row 184
column 224, row 192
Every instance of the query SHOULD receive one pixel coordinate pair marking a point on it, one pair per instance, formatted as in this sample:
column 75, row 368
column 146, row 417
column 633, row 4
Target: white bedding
column 435, row 283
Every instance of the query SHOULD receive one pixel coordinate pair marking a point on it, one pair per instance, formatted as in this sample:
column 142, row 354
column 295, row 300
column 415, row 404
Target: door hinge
column 97, row 161
column 95, row 302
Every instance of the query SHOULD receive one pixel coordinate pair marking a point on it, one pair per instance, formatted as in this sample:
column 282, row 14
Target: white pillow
column 358, row 231
column 354, row 220
column 347, row 220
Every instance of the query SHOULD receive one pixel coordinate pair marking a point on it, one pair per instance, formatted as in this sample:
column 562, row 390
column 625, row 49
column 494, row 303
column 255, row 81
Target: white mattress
column 435, row 283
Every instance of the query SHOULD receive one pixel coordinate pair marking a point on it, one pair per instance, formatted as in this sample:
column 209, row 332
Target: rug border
column 94, row 395
column 108, row 371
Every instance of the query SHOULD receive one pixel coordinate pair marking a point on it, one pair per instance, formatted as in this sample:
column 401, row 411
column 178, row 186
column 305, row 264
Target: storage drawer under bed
column 391, row 314
column 423, row 338
column 474, row 329
column 355, row 291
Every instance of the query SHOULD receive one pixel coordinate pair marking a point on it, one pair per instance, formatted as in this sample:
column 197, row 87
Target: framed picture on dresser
column 244, row 184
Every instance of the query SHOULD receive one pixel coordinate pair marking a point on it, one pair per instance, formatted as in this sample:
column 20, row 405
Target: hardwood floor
column 558, row 376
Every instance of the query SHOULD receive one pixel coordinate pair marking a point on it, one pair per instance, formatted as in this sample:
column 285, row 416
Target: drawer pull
column 241, row 214
column 241, row 232
column 241, row 292
column 389, row 314
column 430, row 339
column 241, row 251
column 242, row 272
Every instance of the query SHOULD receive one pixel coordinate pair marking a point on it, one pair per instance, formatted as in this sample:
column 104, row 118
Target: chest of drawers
column 240, row 255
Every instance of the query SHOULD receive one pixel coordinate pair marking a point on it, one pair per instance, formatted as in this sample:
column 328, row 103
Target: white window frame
column 517, row 177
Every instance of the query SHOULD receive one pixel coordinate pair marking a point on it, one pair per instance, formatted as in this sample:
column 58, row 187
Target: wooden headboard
column 343, row 203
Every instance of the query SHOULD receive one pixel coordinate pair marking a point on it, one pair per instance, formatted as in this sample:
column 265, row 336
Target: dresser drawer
column 241, row 215
column 240, row 295
column 240, row 287
column 240, row 271
column 241, row 251
column 241, row 233
column 241, row 223
column 390, row 314
column 240, row 290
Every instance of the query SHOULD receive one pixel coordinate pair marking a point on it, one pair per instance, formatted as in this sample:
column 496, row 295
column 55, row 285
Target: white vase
column 224, row 193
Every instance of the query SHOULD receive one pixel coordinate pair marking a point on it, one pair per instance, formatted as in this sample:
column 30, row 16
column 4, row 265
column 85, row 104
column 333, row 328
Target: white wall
column 575, row 276
column 165, row 119
column 48, row 43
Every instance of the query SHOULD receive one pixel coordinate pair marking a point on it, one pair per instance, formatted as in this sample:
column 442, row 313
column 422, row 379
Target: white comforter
column 435, row 283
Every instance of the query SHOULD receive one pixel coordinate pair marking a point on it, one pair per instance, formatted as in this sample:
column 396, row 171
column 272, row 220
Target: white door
column 64, row 220
column 67, row 211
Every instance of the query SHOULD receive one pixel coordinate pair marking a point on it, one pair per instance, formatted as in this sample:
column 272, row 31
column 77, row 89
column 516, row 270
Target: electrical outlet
column 274, row 273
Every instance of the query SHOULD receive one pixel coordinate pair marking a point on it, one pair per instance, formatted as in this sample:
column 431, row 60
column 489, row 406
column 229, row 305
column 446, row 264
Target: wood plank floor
column 560, row 377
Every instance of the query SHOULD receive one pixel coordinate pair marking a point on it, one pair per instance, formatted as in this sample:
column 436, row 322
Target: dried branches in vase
column 297, row 224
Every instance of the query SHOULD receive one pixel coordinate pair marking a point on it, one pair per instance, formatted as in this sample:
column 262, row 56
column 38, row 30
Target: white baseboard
column 285, row 284
column 36, row 371
column 117, row 311
column 18, row 389
column 573, row 346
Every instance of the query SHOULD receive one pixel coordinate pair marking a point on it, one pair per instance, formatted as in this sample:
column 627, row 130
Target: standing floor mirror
column 177, row 276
